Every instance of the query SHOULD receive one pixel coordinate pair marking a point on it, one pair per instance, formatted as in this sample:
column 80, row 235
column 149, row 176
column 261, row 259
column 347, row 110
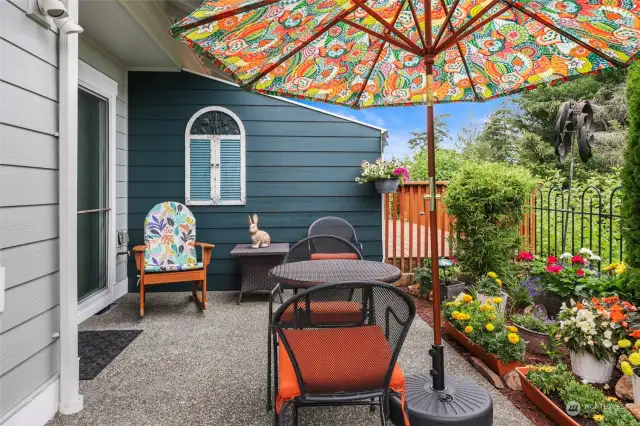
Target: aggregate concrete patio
column 209, row 368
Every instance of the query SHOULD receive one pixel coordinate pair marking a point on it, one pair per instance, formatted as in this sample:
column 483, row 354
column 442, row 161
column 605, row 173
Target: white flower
column 607, row 343
column 604, row 324
column 607, row 335
column 585, row 250
column 615, row 348
column 566, row 256
column 574, row 309
column 595, row 258
column 590, row 342
column 566, row 340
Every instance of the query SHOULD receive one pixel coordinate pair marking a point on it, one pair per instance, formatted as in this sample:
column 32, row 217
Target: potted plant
column 544, row 384
column 536, row 329
column 387, row 175
column 482, row 329
column 591, row 330
column 631, row 368
column 489, row 290
column 450, row 287
column 563, row 278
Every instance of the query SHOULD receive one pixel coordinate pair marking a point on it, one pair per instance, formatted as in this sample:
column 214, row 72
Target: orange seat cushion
column 338, row 256
column 335, row 360
column 328, row 312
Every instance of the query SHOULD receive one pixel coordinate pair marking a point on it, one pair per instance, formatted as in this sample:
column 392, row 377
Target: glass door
column 93, row 193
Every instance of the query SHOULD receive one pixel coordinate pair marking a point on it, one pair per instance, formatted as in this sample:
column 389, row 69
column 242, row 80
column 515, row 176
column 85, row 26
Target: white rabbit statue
column 258, row 238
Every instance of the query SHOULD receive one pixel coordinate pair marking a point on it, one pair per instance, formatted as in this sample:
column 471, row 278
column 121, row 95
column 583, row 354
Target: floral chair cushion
column 170, row 239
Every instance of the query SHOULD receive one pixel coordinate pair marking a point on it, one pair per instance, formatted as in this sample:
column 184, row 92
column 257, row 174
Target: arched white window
column 214, row 158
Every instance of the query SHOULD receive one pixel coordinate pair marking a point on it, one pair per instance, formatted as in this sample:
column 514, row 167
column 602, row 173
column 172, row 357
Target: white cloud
column 372, row 118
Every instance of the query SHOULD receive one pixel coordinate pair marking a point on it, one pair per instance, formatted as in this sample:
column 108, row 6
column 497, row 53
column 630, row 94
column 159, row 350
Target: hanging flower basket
column 496, row 365
column 387, row 186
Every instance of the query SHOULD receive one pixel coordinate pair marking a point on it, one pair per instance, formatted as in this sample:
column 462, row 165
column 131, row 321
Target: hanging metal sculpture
column 574, row 122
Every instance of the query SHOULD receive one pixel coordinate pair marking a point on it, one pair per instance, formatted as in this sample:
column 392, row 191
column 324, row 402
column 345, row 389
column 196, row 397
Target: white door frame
column 94, row 81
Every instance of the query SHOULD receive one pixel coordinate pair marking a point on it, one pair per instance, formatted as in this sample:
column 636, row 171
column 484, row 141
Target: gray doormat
column 98, row 348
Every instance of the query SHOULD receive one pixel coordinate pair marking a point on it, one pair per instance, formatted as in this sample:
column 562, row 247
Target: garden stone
column 492, row 377
column 512, row 380
column 634, row 409
column 624, row 390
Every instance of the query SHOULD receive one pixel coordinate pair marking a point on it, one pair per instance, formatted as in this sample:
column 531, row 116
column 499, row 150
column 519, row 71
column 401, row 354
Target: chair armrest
column 206, row 252
column 138, row 252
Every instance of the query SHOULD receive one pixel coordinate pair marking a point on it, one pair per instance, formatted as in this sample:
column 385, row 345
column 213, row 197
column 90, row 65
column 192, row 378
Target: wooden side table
column 255, row 265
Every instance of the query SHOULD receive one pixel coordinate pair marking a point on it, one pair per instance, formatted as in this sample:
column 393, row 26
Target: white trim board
column 300, row 104
column 38, row 408
column 94, row 305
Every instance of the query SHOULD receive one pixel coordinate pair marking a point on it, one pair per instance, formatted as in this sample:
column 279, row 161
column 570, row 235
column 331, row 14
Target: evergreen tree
column 441, row 133
column 631, row 171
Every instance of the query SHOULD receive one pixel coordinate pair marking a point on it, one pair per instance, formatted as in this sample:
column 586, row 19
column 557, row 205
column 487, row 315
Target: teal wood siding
column 301, row 165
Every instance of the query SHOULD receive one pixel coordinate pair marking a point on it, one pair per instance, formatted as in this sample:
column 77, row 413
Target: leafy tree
column 448, row 162
column 499, row 138
column 441, row 133
column 631, row 171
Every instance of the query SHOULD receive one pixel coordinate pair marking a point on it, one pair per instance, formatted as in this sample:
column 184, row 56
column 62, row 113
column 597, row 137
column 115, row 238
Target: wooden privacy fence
column 406, row 225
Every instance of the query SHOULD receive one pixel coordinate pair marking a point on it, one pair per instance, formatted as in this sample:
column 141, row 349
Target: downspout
column 70, row 399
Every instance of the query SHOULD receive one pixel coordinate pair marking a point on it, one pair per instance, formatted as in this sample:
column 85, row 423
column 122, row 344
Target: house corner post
column 70, row 399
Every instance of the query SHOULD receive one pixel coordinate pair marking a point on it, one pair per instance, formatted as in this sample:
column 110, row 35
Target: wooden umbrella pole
column 436, row 352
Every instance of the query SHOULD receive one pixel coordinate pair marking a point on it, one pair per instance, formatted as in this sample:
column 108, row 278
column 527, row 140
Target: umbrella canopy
column 374, row 53
column 370, row 53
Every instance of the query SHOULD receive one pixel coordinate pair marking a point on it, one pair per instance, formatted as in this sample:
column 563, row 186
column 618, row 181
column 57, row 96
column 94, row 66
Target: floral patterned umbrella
column 374, row 53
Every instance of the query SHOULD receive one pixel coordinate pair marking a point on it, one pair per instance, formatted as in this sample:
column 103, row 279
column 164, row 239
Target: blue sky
column 401, row 121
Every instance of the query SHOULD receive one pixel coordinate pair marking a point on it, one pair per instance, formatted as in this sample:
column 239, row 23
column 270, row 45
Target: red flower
column 554, row 269
column 578, row 260
column 636, row 334
column 552, row 260
column 580, row 273
column 525, row 255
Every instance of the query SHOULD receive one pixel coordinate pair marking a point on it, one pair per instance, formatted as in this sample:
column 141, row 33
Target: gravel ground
column 209, row 368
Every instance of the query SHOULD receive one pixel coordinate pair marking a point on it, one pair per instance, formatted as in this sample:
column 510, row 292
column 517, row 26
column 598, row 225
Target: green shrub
column 631, row 171
column 488, row 203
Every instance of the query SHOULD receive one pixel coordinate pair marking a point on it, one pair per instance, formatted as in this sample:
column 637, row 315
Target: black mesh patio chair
column 326, row 359
column 332, row 225
column 319, row 247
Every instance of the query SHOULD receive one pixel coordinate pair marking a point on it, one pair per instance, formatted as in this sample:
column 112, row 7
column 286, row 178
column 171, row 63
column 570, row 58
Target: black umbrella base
column 462, row 402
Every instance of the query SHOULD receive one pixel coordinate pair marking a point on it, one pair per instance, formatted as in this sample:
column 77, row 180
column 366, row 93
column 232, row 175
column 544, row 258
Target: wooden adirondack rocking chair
column 169, row 251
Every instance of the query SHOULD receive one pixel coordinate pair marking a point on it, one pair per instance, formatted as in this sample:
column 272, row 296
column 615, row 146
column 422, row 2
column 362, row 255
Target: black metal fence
column 559, row 222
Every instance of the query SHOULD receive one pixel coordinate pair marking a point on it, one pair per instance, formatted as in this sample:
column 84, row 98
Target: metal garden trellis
column 371, row 53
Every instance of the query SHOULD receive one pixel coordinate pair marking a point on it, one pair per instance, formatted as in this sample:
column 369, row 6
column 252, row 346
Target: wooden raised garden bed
column 478, row 351
column 545, row 405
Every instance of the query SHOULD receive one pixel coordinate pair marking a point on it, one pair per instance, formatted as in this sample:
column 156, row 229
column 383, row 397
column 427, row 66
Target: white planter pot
column 502, row 307
column 589, row 369
column 635, row 382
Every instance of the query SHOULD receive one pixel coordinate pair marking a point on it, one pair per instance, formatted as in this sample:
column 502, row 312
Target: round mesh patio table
column 313, row 272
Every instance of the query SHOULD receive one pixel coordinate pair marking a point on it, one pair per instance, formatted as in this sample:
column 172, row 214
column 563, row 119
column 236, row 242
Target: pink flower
column 525, row 255
column 401, row 171
column 552, row 260
column 580, row 273
column 578, row 260
column 554, row 269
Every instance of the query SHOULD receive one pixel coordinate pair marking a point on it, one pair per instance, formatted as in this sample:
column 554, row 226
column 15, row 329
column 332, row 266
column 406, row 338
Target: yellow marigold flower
column 497, row 300
column 626, row 368
column 490, row 308
column 468, row 329
column 492, row 317
column 464, row 317
column 610, row 267
column 455, row 315
column 598, row 418
column 483, row 308
column 512, row 329
column 612, row 398
column 499, row 282
column 467, row 298
column 513, row 338
column 620, row 269
column 449, row 304
column 634, row 359
column 492, row 275
column 490, row 327
column 624, row 343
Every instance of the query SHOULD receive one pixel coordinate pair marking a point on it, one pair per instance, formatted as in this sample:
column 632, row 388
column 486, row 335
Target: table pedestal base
column 462, row 402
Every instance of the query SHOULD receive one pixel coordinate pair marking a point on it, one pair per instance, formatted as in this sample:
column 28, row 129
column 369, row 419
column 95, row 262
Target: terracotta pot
column 545, row 405
column 386, row 186
column 589, row 369
column 478, row 351
column 502, row 307
column 534, row 340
